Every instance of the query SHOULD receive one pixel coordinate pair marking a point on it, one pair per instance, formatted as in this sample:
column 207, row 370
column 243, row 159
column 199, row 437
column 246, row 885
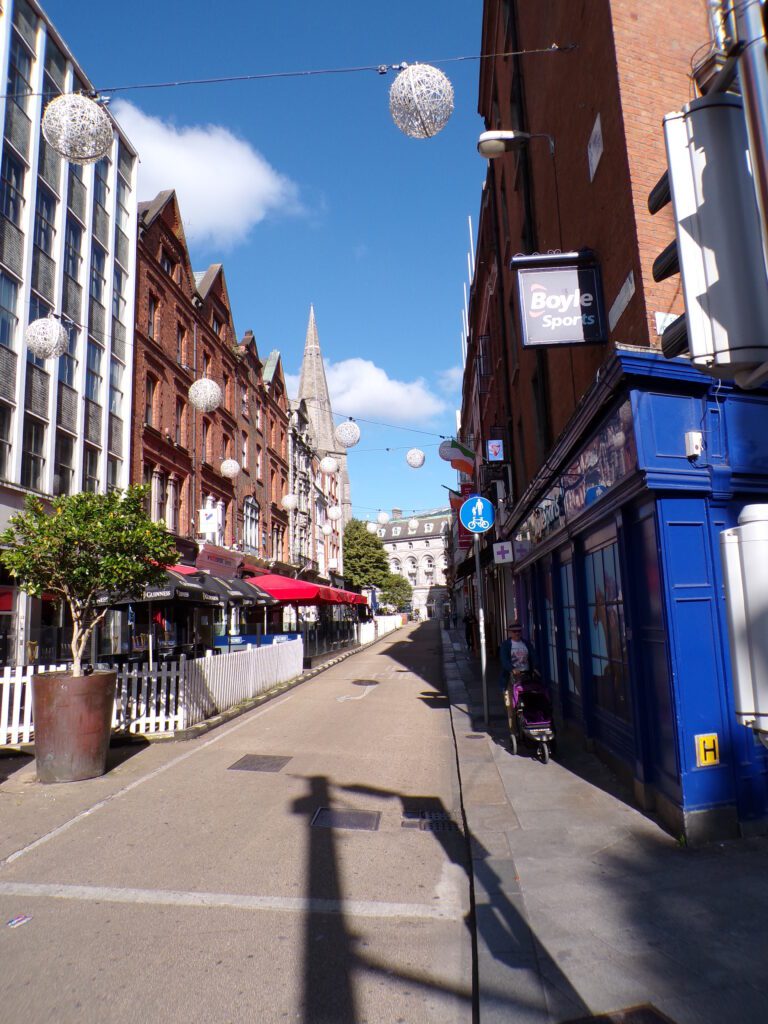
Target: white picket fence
column 170, row 697
column 382, row 625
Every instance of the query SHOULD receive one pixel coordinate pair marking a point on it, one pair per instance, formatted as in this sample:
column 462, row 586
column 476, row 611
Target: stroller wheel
column 544, row 752
column 512, row 743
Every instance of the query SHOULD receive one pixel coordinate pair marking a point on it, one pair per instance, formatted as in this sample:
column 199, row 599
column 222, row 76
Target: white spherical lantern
column 347, row 434
column 46, row 338
column 205, row 395
column 413, row 524
column 329, row 465
column 230, row 468
column 78, row 128
column 290, row 502
column 371, row 527
column 334, row 513
column 421, row 101
column 415, row 458
column 327, row 529
column 383, row 518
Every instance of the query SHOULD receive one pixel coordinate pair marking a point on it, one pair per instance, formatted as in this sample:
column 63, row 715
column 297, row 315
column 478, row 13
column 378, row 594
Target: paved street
column 176, row 889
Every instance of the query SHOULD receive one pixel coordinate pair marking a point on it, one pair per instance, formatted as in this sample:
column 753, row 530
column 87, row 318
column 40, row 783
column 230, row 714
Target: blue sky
column 307, row 192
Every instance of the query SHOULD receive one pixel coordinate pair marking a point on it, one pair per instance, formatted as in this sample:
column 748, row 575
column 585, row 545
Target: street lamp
column 496, row 143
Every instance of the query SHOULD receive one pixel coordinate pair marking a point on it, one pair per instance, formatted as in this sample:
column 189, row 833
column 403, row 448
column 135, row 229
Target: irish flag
column 460, row 457
column 455, row 500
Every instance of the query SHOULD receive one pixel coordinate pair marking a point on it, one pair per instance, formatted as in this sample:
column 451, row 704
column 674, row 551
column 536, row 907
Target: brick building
column 616, row 575
column 185, row 331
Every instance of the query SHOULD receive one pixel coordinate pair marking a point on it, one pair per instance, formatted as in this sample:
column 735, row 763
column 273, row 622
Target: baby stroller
column 529, row 711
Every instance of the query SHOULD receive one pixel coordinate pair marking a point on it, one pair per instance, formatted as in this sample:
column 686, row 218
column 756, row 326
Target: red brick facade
column 630, row 65
column 185, row 331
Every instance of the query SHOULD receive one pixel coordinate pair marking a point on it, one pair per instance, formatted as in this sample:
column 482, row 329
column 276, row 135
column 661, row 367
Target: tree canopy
column 397, row 591
column 85, row 545
column 365, row 561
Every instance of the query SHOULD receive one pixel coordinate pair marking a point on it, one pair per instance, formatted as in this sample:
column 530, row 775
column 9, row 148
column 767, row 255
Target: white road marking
column 365, row 693
column 451, row 910
column 54, row 833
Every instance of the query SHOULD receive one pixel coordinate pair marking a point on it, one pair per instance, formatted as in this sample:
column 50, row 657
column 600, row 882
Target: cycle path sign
column 477, row 514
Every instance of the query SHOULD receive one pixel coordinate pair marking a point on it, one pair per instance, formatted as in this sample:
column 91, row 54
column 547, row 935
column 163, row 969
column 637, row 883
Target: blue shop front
column 620, row 585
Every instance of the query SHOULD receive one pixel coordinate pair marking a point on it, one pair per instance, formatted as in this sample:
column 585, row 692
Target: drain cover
column 259, row 763
column 439, row 826
column 430, row 821
column 473, row 736
column 367, row 821
column 634, row 1015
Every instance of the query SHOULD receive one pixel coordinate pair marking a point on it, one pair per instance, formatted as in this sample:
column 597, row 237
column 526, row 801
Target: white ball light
column 327, row 529
column 290, row 502
column 230, row 468
column 383, row 518
column 205, row 394
column 421, row 101
column 78, row 128
column 329, row 465
column 371, row 527
column 334, row 513
column 413, row 524
column 46, row 338
column 415, row 458
column 347, row 434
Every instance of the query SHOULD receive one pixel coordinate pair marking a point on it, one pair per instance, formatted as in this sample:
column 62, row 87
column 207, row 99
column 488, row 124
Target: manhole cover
column 365, row 682
column 259, row 763
column 473, row 736
column 633, row 1015
column 367, row 821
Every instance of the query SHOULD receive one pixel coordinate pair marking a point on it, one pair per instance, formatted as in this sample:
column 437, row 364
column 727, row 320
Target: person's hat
column 515, row 625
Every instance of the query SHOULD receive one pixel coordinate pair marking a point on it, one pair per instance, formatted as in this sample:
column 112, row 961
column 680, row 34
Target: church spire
column 313, row 387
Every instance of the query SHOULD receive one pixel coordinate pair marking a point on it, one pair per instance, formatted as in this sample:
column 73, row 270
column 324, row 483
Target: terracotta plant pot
column 73, row 721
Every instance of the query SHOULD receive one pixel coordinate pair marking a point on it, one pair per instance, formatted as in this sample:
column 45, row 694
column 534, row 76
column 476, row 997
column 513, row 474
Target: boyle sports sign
column 561, row 301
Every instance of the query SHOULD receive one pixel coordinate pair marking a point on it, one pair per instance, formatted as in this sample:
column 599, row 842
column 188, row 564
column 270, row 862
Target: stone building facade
column 417, row 548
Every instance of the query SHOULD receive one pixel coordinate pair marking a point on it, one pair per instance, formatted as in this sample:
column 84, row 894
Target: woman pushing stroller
column 528, row 706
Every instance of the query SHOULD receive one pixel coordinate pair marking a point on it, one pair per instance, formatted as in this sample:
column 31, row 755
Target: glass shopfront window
column 570, row 630
column 550, row 625
column 608, row 645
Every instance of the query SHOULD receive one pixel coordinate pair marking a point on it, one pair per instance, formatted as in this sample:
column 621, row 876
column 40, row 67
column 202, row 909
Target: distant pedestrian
column 469, row 630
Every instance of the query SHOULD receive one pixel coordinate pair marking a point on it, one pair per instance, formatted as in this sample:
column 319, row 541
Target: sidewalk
column 584, row 905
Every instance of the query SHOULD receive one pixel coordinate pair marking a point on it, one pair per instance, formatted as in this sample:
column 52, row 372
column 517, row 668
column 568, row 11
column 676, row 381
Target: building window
column 244, row 400
column 147, row 471
column 68, row 362
column 258, row 417
column 91, row 469
column 159, row 496
column 181, row 335
column 64, row 466
column 206, row 365
column 32, row 460
column 605, row 603
column 73, row 241
column 258, row 461
column 38, row 310
column 93, row 377
column 11, row 187
column 9, row 294
column 19, row 73
column 172, row 505
column 179, row 421
column 167, row 263
column 216, row 324
column 115, row 387
column 5, row 439
column 150, row 393
column 100, row 186
column 250, row 525
column 226, row 390
column 152, row 306
column 123, row 217
column 98, row 280
column 244, row 452
column 45, row 217
column 118, row 297
column 114, row 469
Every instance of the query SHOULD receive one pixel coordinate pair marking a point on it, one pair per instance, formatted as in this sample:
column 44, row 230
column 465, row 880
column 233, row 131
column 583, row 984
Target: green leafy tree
column 86, row 544
column 396, row 591
column 365, row 561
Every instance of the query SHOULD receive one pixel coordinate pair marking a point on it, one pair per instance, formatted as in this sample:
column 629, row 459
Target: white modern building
column 67, row 248
column 418, row 548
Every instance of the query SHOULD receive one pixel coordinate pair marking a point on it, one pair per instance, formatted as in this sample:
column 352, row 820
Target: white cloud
column 224, row 186
column 360, row 388
column 449, row 381
column 292, row 384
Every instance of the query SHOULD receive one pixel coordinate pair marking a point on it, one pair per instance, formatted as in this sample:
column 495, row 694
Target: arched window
column 251, row 525
column 394, row 565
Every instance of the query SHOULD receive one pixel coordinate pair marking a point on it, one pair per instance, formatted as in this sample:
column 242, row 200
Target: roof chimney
column 397, row 513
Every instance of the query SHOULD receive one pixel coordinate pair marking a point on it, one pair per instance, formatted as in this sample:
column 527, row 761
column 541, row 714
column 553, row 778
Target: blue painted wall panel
column 747, row 433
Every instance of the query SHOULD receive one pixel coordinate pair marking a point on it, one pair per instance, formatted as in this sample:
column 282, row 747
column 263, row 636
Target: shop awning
column 291, row 591
column 237, row 591
column 174, row 587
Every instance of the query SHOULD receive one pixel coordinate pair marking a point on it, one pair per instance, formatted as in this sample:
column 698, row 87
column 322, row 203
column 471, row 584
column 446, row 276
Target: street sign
column 477, row 514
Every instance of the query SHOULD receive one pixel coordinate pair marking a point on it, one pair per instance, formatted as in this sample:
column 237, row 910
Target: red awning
column 301, row 592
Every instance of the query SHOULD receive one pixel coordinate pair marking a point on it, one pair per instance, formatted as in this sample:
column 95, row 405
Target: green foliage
column 365, row 561
column 87, row 543
column 397, row 591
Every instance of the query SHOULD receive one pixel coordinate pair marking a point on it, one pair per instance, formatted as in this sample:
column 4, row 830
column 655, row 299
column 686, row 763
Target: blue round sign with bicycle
column 477, row 514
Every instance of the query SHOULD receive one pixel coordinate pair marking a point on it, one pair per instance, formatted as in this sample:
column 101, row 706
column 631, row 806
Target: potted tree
column 79, row 546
